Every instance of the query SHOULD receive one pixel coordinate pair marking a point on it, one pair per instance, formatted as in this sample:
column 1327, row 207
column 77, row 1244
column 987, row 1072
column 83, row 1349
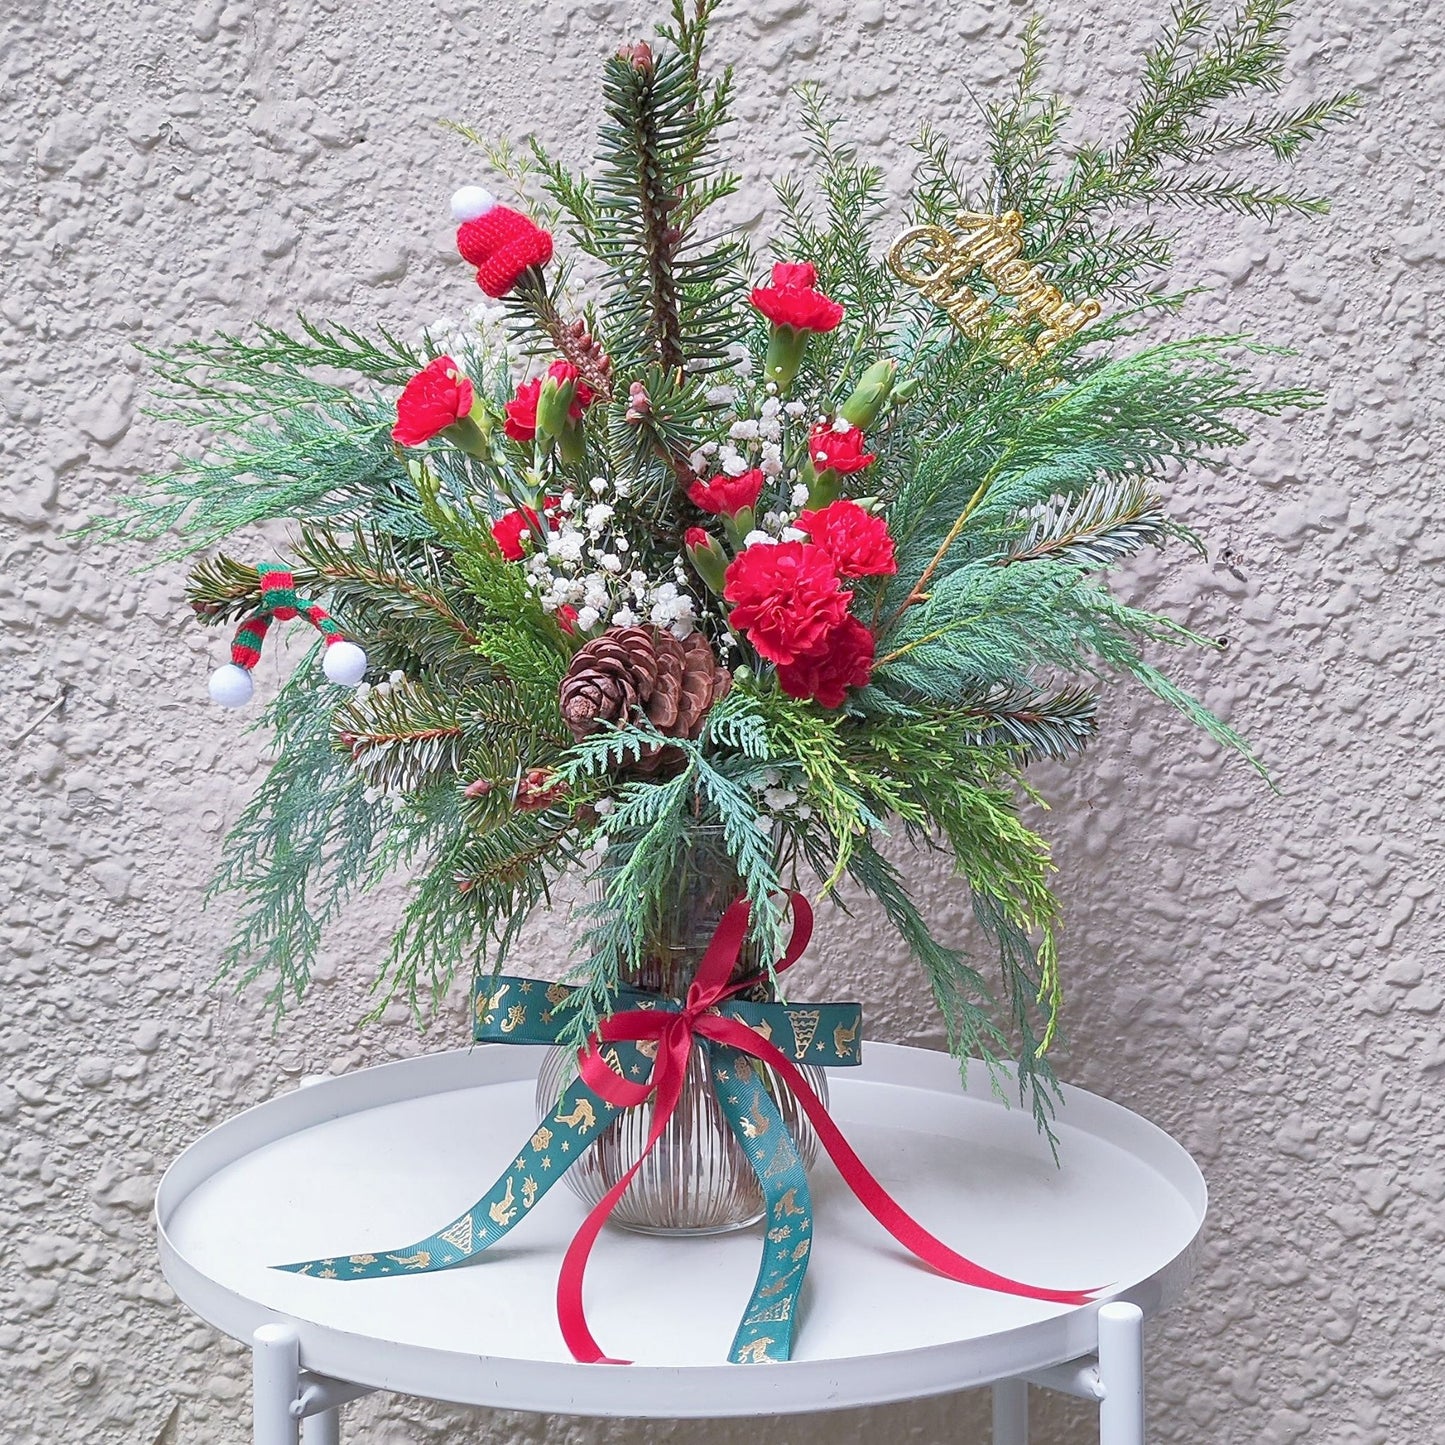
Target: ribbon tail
column 871, row 1194
column 578, row 1119
column 571, row 1313
column 765, row 1333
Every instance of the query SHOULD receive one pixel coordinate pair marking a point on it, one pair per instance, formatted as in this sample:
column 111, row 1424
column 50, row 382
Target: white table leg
column 322, row 1429
column 275, row 1384
column 1121, row 1371
column 1011, row 1412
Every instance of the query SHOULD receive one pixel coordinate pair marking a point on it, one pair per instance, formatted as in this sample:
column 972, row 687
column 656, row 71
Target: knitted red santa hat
column 502, row 244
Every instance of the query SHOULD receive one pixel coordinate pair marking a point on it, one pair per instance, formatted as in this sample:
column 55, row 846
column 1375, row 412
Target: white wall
column 1255, row 973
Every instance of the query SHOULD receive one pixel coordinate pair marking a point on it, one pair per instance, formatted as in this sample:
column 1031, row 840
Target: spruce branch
column 402, row 737
column 1097, row 527
column 1040, row 725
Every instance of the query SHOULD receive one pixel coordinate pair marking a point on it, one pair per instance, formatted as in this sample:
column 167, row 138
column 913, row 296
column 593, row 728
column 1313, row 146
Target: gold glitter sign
column 940, row 263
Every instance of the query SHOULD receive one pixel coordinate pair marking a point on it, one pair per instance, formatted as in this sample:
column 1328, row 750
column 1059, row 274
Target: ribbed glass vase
column 696, row 1180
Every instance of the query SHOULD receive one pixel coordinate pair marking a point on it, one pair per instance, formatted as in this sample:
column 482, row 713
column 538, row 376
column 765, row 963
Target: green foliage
column 1033, row 441
column 299, row 848
column 671, row 293
column 1092, row 208
column 283, row 441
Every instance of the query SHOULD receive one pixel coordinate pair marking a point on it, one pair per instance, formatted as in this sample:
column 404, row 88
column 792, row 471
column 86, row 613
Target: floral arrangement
column 805, row 553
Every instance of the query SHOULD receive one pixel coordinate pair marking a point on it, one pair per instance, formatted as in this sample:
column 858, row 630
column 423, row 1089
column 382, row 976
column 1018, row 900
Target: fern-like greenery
column 1011, row 493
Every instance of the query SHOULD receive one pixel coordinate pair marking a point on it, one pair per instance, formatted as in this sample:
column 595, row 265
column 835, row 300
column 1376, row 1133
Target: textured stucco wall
column 1257, row 974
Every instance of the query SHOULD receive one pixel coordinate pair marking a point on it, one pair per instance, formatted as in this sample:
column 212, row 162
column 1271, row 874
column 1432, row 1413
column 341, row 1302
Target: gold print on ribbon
column 743, row 1069
column 788, row 1204
column 778, row 1314
column 939, row 262
column 516, row 1017
column 504, row 1211
column 777, row 1286
column 782, row 1159
column 755, row 1352
column 420, row 1260
column 755, row 1125
column 763, row 1029
column 357, row 1261
column 461, row 1235
column 805, row 1025
column 581, row 1118
column 488, row 1004
column 844, row 1039
column 801, row 1250
column 529, row 1192
column 556, row 993
column 542, row 1139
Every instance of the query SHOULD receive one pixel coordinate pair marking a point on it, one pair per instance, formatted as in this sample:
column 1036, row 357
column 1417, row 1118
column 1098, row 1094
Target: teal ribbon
column 514, row 1010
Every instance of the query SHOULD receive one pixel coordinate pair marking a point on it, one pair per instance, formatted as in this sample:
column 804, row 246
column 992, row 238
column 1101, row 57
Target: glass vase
column 696, row 1180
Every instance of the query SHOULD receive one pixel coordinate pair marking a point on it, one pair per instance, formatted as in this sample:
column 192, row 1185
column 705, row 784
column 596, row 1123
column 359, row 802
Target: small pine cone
column 630, row 669
column 608, row 678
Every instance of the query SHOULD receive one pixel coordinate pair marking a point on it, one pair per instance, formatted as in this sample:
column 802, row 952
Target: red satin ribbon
column 674, row 1033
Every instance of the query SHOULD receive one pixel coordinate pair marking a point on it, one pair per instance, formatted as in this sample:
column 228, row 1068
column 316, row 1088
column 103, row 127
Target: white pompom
column 471, row 202
column 231, row 685
column 344, row 663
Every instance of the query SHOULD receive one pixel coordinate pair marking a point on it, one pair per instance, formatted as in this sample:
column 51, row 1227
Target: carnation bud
column 905, row 389
column 708, row 558
column 553, row 406
column 785, row 355
column 869, row 396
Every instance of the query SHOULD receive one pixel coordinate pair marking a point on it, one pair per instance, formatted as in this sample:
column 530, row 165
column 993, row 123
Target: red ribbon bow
column 674, row 1032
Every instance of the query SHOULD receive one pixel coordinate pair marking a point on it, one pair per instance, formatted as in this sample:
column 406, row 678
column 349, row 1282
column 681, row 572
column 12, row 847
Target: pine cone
column 641, row 669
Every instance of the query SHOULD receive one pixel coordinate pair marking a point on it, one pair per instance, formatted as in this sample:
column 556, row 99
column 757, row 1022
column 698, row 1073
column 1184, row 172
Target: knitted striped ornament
column 343, row 662
column 501, row 243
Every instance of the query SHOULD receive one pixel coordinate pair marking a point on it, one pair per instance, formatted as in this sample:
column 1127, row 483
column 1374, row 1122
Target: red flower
column 437, row 397
column 792, row 299
column 845, row 660
column 503, row 245
column 509, row 529
column 838, row 451
column 857, row 541
column 696, row 537
column 726, row 496
column 566, row 616
column 786, row 598
column 521, row 423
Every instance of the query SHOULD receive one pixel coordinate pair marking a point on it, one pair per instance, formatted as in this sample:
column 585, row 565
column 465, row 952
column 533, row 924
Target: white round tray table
column 370, row 1160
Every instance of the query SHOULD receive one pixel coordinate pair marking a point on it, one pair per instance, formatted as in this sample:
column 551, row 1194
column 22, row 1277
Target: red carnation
column 509, row 529
column 845, row 660
column 838, row 451
column 793, row 300
column 437, row 397
column 786, row 598
column 857, row 541
column 503, row 245
column 521, row 423
column 725, row 496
